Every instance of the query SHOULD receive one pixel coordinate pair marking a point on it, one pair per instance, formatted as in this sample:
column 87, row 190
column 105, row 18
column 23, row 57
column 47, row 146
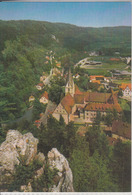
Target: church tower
column 70, row 86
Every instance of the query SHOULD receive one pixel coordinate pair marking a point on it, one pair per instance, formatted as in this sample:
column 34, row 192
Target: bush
column 23, row 174
column 45, row 181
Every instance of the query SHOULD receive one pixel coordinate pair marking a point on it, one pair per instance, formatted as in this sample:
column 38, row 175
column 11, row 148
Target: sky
column 88, row 14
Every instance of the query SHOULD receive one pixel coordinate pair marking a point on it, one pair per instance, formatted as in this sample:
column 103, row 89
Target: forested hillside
column 69, row 36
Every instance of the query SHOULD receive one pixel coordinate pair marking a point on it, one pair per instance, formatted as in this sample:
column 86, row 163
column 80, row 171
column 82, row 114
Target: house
column 58, row 64
column 126, row 89
column 31, row 98
column 99, row 79
column 121, row 130
column 76, row 76
column 47, row 58
column 112, row 141
column 128, row 59
column 94, row 53
column 96, row 77
column 44, row 98
column 40, row 86
column 82, row 107
column 114, row 59
column 37, row 123
column 110, row 85
column 55, row 72
column 42, row 78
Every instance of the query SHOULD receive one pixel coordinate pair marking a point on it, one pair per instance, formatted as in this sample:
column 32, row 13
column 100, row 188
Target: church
column 82, row 107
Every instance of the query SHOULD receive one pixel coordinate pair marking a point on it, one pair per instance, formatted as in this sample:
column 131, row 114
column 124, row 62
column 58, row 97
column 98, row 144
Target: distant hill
column 66, row 35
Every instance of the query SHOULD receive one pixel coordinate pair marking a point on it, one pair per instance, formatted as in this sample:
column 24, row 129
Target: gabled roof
column 125, row 85
column 45, row 94
column 102, row 107
column 40, row 84
column 122, row 129
column 96, row 81
column 68, row 102
column 96, row 97
column 77, row 90
column 96, row 76
column 79, row 98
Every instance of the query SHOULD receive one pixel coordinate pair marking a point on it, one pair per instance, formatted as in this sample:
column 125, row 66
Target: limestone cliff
column 18, row 148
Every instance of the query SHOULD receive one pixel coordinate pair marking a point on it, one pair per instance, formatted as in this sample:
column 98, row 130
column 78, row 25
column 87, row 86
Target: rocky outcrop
column 65, row 178
column 18, row 148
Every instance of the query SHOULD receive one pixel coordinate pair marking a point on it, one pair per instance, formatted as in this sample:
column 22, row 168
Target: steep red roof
column 122, row 129
column 125, row 85
column 45, row 94
column 77, row 90
column 68, row 102
column 40, row 84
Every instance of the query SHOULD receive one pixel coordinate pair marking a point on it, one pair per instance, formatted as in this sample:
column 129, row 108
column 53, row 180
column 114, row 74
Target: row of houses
column 107, row 82
column 119, row 130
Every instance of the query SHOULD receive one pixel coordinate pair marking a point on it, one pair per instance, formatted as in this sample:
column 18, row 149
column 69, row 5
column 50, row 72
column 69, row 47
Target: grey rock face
column 58, row 161
column 19, row 148
column 16, row 147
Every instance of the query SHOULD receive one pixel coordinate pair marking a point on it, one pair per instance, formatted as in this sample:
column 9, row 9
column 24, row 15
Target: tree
column 115, row 114
column 90, row 173
column 98, row 118
column 108, row 118
column 55, row 92
column 79, row 164
column 121, row 165
column 92, row 136
column 37, row 109
column 97, row 141
column 120, row 93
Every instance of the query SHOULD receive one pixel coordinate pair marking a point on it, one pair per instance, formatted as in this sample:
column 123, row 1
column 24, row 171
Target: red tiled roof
column 45, row 94
column 79, row 98
column 102, row 107
column 96, row 81
column 122, row 129
column 112, row 141
column 114, row 59
column 96, row 97
column 96, row 76
column 125, row 85
column 68, row 102
column 40, row 84
column 77, row 91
